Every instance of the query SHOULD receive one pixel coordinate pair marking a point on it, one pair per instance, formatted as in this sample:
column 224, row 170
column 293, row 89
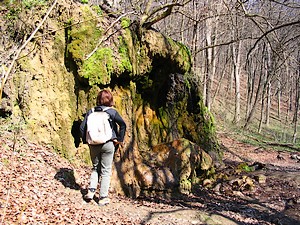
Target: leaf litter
column 39, row 187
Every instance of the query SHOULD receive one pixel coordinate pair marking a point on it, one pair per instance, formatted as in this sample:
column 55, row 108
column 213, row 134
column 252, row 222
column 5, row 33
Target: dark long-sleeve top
column 117, row 122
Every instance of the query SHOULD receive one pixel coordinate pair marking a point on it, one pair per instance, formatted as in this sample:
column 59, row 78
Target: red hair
column 105, row 98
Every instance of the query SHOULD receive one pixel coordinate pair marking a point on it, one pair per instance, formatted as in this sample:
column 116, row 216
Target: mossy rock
column 172, row 166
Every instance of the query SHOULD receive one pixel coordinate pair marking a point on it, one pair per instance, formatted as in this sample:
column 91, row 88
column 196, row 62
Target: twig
column 6, row 74
column 102, row 39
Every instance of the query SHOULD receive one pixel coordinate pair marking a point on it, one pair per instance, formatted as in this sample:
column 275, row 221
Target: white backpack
column 99, row 130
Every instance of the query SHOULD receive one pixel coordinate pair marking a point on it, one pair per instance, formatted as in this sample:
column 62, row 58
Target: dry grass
column 279, row 130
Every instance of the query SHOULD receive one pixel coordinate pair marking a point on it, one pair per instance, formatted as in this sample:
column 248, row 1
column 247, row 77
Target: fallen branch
column 7, row 72
column 286, row 145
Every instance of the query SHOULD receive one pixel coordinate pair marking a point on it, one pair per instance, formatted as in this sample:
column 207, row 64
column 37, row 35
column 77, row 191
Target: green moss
column 97, row 9
column 99, row 67
column 185, row 186
column 29, row 4
column 81, row 45
column 185, row 52
column 127, row 50
column 164, row 118
column 125, row 64
column 181, row 54
column 83, row 37
column 244, row 167
column 13, row 11
column 125, row 22
column 209, row 121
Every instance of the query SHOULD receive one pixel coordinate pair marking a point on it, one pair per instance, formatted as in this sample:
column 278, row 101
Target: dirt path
column 39, row 187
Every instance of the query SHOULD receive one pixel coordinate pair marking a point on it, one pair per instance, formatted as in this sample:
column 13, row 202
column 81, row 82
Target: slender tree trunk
column 297, row 102
column 256, row 95
column 289, row 104
column 18, row 52
column 209, row 58
column 263, row 99
column 182, row 24
column 250, row 87
column 195, row 36
column 268, row 106
column 236, row 60
column 278, row 99
column 249, row 91
column 204, row 70
column 231, row 79
column 253, row 107
column 292, row 91
column 220, row 81
column 261, row 112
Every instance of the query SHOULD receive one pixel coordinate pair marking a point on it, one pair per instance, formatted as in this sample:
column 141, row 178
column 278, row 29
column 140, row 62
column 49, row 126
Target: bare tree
column 297, row 102
column 6, row 72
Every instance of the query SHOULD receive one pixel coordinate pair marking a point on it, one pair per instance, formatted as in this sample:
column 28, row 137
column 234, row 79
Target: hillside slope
column 54, row 83
column 40, row 187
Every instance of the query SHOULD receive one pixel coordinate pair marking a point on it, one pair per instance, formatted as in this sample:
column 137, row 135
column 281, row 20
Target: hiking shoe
column 90, row 194
column 103, row 201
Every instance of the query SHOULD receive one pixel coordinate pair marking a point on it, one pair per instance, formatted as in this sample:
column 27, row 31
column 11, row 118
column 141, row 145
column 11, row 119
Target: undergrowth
column 278, row 135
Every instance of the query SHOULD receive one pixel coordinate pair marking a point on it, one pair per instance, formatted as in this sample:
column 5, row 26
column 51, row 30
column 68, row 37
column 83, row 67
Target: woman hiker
column 102, row 154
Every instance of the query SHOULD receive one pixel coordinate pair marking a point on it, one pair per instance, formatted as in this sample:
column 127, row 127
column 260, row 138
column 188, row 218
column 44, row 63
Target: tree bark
column 254, row 95
column 268, row 106
column 297, row 102
column 236, row 61
column 278, row 99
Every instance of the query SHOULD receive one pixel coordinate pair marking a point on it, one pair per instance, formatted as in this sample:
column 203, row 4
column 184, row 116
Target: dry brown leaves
column 38, row 186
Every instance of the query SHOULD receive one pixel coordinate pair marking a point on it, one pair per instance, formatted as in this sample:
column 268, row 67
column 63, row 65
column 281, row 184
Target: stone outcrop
column 172, row 166
column 170, row 136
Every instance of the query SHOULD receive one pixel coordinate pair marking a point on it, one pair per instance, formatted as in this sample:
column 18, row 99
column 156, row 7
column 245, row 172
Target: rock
column 238, row 193
column 217, row 188
column 280, row 157
column 243, row 183
column 172, row 165
column 296, row 157
column 257, row 166
column 207, row 182
column 261, row 179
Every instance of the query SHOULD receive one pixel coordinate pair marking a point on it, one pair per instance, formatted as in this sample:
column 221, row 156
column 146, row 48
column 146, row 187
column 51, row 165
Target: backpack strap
column 109, row 116
column 106, row 108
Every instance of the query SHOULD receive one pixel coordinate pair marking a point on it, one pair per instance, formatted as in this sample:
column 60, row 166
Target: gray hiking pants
column 102, row 158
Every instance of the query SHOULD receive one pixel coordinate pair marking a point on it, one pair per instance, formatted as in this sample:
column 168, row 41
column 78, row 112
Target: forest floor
column 38, row 186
